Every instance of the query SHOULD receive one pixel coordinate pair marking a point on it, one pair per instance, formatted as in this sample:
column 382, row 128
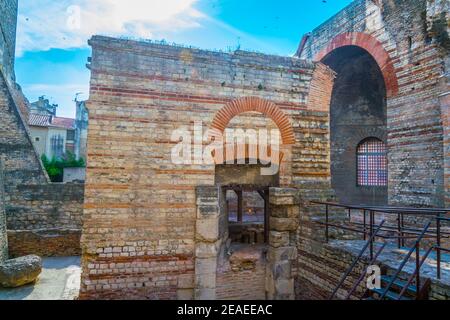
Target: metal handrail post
column 326, row 225
column 408, row 283
column 418, row 268
column 372, row 238
column 365, row 223
column 438, row 245
column 402, row 228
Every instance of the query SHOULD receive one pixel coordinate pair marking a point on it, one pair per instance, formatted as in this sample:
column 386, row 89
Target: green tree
column 55, row 166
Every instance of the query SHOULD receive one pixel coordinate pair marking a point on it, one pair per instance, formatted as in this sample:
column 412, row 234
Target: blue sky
column 52, row 50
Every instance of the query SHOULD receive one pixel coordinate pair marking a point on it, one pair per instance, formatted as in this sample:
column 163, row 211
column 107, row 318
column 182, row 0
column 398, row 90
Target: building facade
column 52, row 136
column 43, row 107
column 81, row 131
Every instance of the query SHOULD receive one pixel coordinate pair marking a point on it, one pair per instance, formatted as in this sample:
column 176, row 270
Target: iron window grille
column 372, row 163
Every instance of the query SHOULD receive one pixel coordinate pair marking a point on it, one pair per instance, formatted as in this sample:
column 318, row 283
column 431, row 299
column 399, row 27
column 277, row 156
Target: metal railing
column 402, row 233
column 372, row 237
column 405, row 261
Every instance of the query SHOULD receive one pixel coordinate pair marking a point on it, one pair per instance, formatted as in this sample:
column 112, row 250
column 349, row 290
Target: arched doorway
column 244, row 186
column 358, row 111
column 239, row 201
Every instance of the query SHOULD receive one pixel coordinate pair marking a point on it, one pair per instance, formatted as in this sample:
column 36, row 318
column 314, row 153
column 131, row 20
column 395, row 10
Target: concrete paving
column 59, row 280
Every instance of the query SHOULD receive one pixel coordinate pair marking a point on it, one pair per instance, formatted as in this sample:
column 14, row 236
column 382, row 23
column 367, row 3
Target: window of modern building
column 70, row 135
column 372, row 163
column 57, row 146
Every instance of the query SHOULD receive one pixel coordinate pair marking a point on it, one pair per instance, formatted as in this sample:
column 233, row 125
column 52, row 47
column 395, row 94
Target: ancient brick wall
column 45, row 206
column 140, row 209
column 3, row 234
column 21, row 163
column 8, row 12
column 58, row 242
column 411, row 53
column 45, row 219
column 230, row 283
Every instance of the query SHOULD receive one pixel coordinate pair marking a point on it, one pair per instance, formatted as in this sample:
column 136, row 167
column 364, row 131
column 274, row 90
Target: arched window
column 372, row 163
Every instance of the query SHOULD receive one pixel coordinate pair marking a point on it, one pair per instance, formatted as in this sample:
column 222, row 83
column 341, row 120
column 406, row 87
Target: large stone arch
column 255, row 104
column 374, row 47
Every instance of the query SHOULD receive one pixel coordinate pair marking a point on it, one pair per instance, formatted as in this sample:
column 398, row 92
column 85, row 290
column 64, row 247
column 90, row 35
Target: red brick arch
column 374, row 48
column 255, row 104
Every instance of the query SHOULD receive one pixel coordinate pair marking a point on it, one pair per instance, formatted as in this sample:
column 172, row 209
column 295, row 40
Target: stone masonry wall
column 32, row 204
column 3, row 234
column 282, row 251
column 44, row 242
column 45, row 219
column 46, row 206
column 242, row 285
column 417, row 51
column 140, row 209
column 8, row 12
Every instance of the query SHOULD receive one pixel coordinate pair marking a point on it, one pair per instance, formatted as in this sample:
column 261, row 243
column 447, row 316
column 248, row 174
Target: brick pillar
column 207, row 242
column 282, row 254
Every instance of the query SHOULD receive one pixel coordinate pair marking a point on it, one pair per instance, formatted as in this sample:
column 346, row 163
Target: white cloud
column 46, row 24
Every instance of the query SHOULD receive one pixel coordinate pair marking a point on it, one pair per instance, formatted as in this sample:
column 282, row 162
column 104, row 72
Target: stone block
column 207, row 230
column 282, row 270
column 284, row 224
column 270, row 283
column 185, row 294
column 21, row 271
column 279, row 239
column 284, row 196
column 282, row 254
column 208, row 211
column 207, row 195
column 285, row 211
column 205, row 294
column 186, row 281
column 207, row 250
column 205, row 266
column 207, row 281
column 284, row 287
